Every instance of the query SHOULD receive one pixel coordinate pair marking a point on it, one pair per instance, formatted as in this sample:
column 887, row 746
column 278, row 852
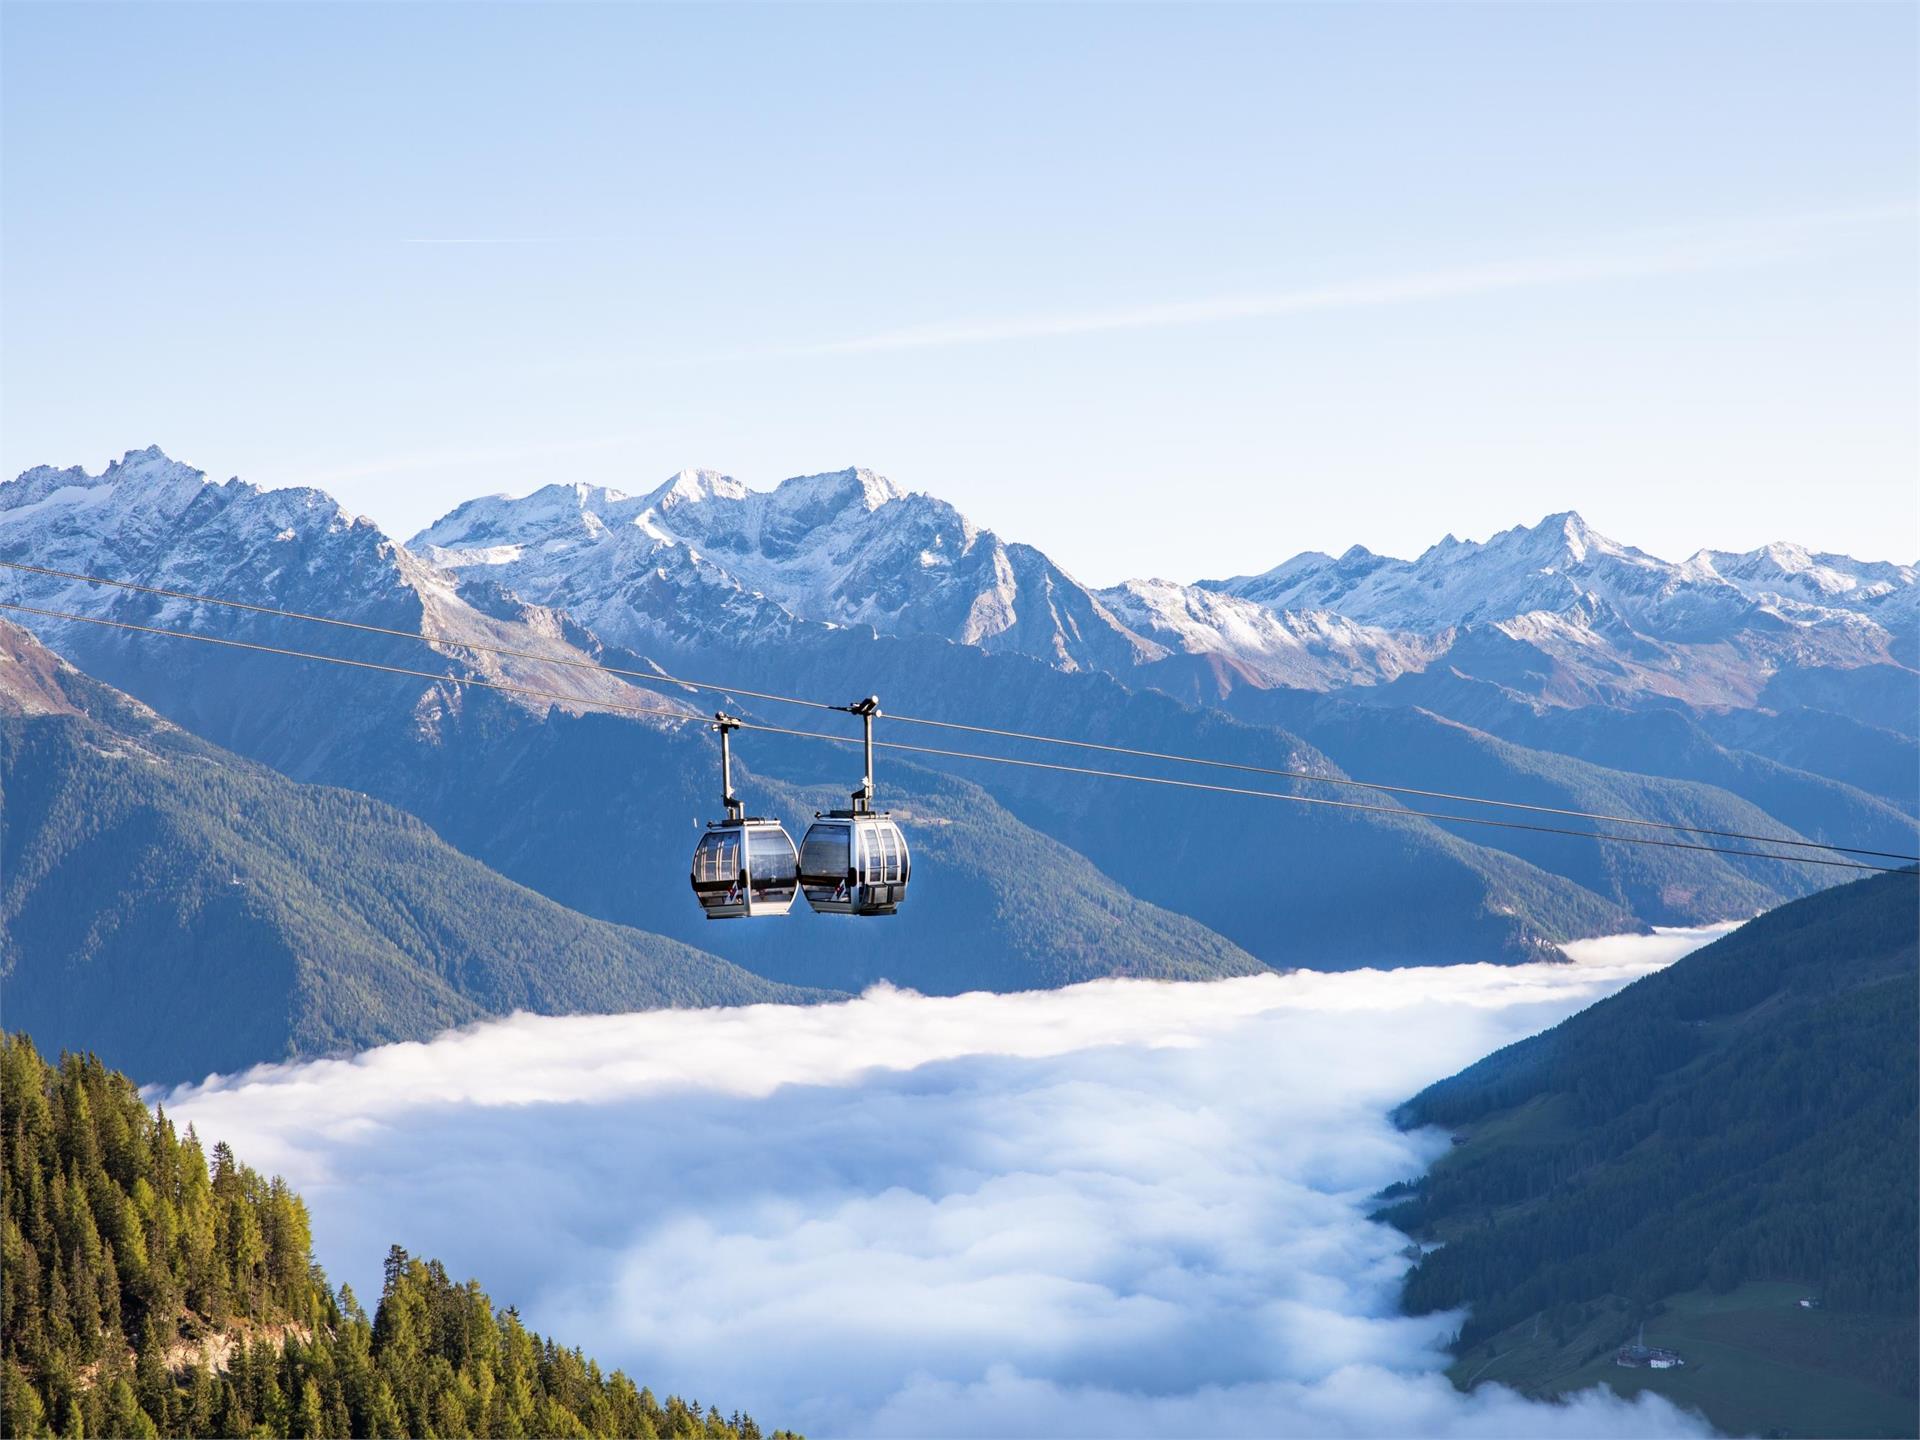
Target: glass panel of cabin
column 716, row 860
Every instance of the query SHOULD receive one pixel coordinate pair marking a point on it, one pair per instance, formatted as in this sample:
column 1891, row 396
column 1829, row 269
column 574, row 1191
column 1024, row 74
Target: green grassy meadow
column 1756, row 1363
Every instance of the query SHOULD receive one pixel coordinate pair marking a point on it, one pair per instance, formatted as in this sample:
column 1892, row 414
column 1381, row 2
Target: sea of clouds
column 1124, row 1208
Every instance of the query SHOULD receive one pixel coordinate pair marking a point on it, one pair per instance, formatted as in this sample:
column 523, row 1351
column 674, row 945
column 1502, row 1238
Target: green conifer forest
column 149, row 1289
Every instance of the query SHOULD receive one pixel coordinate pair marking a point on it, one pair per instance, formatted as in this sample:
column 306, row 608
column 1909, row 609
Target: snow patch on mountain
column 1309, row 649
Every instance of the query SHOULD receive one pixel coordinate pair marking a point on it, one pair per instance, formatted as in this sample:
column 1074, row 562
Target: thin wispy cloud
column 1124, row 1208
column 478, row 240
column 1642, row 255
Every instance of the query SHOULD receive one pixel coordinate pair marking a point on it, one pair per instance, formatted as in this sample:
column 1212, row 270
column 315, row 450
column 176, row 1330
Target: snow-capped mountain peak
column 148, row 476
column 843, row 547
column 1559, row 541
column 151, row 466
column 1787, row 572
column 1561, row 586
column 1576, row 538
column 835, row 489
column 505, row 520
column 690, row 487
column 1559, row 561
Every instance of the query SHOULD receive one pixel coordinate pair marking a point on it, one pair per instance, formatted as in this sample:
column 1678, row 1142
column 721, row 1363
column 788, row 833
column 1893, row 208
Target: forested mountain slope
column 1747, row 1115
column 144, row 1293
column 1409, row 746
column 1881, row 761
column 181, row 910
column 1606, row 750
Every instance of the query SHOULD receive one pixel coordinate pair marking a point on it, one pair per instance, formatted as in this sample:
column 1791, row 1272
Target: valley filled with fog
column 1125, row 1207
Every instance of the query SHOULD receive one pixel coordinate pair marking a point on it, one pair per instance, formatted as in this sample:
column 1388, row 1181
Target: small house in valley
column 1647, row 1357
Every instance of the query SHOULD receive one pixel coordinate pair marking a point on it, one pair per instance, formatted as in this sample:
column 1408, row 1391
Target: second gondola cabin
column 854, row 863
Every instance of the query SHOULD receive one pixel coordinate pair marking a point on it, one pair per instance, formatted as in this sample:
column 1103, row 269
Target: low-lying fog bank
column 1124, row 1208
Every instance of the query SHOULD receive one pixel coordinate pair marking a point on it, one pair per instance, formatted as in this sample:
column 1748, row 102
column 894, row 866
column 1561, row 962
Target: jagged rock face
column 703, row 557
column 151, row 520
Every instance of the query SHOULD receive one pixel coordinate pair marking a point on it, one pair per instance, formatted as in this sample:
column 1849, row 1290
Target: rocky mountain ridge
column 1597, row 619
column 843, row 548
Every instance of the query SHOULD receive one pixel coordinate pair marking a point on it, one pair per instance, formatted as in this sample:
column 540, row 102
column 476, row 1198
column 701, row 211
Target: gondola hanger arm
column 726, row 724
column 866, row 709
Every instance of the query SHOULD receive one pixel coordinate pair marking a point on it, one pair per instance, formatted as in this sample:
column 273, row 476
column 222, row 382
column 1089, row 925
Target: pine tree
column 385, row 1422
column 203, row 1399
column 309, row 1418
column 152, row 1384
column 112, row 1318
column 21, row 1413
column 125, row 1418
column 232, row 1417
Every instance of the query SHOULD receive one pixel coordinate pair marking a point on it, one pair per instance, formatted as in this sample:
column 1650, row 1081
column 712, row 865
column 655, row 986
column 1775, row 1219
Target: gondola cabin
column 745, row 867
column 854, row 863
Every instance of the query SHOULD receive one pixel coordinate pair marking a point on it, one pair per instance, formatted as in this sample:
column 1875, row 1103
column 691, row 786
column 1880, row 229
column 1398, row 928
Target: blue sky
column 1174, row 291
